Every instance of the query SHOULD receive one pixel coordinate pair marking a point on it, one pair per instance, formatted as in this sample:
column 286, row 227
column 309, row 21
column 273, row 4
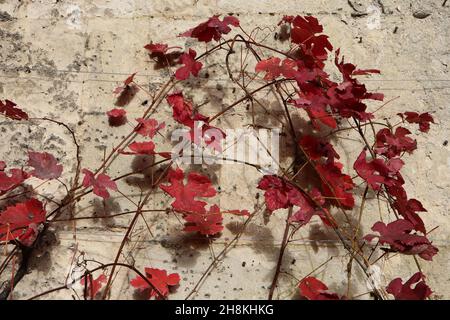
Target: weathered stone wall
column 62, row 59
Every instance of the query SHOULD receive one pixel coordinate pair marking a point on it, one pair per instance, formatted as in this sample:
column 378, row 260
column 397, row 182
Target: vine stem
column 284, row 244
column 90, row 272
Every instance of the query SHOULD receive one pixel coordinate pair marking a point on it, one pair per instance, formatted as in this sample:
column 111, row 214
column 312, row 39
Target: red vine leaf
column 8, row 108
column 273, row 68
column 336, row 185
column 12, row 179
column 408, row 209
column 314, row 289
column 145, row 148
column 377, row 172
column 160, row 280
column 184, row 114
column 348, row 69
column 185, row 194
column 21, row 221
column 346, row 98
column 159, row 48
column 281, row 195
column 148, row 127
column 423, row 119
column 315, row 103
column 117, row 117
column 129, row 80
column 93, row 286
column 100, row 185
column 405, row 291
column 307, row 209
column 191, row 66
column 305, row 32
column 276, row 192
column 397, row 235
column 316, row 148
column 181, row 108
column 394, row 144
column 212, row 29
column 45, row 165
column 206, row 223
column 126, row 91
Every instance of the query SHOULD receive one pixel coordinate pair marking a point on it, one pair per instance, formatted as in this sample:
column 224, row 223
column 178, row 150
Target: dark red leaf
column 21, row 221
column 316, row 148
column 148, row 127
column 205, row 223
column 130, row 79
column 307, row 209
column 185, row 194
column 391, row 145
column 408, row 209
column 8, row 108
column 159, row 279
column 398, row 235
column 159, row 48
column 45, row 165
column 191, row 66
column 116, row 113
column 281, row 195
column 315, row 104
column 314, row 289
column 346, row 98
column 276, row 192
column 145, row 148
column 212, row 29
column 11, row 179
column 182, row 109
column 183, row 113
column 305, row 32
column 336, row 185
column 100, row 184
column 126, row 92
column 117, row 117
column 348, row 70
column 377, row 172
column 273, row 68
column 406, row 292
column 423, row 119
column 238, row 212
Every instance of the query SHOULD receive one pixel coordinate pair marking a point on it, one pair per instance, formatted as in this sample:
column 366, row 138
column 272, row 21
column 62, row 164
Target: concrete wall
column 62, row 59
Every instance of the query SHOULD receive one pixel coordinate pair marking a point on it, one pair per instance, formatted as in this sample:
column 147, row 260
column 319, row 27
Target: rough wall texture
column 62, row 59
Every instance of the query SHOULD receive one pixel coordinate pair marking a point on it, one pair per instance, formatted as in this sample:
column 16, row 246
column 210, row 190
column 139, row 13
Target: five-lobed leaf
column 190, row 65
column 21, row 220
column 213, row 28
column 423, row 119
column 398, row 235
column 45, row 165
column 160, row 280
column 99, row 184
column 405, row 291
column 197, row 186
column 148, row 127
column 11, row 179
column 274, row 69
